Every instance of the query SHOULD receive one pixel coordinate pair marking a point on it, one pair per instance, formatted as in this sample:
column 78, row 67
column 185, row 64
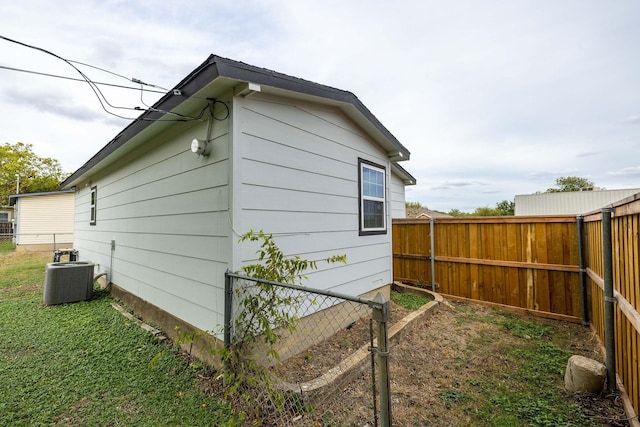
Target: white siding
column 168, row 212
column 569, row 203
column 398, row 204
column 296, row 177
column 45, row 219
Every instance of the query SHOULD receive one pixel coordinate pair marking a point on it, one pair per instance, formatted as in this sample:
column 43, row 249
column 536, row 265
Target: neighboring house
column 162, row 206
column 569, row 203
column 43, row 221
column 425, row 213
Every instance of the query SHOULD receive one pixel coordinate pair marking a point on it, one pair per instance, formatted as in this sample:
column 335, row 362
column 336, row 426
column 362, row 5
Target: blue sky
column 492, row 98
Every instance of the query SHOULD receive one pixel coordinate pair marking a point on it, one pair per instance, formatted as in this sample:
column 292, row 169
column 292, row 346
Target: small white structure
column 569, row 203
column 231, row 148
column 43, row 221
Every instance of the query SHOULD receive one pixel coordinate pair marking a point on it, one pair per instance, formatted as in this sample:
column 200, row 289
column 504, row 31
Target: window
column 371, row 181
column 94, row 205
column 4, row 216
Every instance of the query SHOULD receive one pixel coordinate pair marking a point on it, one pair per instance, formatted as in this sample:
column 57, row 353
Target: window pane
column 373, row 212
column 94, row 201
column 373, row 183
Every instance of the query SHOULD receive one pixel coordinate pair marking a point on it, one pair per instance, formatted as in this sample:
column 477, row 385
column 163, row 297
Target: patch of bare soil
column 323, row 356
column 437, row 361
column 438, row 364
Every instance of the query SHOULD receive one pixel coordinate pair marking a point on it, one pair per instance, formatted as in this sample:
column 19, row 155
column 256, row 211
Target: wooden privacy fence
column 525, row 262
column 535, row 264
column 624, row 266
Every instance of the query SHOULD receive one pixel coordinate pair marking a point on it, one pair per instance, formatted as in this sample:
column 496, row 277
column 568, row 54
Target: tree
column 484, row 211
column 457, row 213
column 571, row 183
column 506, row 207
column 36, row 173
column 413, row 205
column 503, row 208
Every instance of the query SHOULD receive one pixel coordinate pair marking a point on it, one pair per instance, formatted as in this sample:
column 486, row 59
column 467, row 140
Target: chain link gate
column 317, row 360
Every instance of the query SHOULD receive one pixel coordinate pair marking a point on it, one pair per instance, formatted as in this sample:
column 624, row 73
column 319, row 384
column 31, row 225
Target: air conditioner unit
column 68, row 282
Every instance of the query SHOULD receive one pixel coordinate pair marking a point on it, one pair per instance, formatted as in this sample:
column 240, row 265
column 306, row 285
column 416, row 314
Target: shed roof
column 13, row 198
column 216, row 75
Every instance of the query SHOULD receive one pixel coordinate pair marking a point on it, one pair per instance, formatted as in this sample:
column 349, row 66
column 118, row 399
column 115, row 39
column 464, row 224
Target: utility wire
column 132, row 79
column 21, row 70
column 98, row 93
column 93, row 87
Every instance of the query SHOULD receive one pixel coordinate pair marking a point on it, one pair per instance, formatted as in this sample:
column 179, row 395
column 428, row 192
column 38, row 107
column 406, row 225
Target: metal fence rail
column 6, row 229
column 338, row 345
column 52, row 240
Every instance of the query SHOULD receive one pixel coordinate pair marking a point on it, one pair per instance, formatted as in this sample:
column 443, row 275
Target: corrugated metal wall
column 568, row 203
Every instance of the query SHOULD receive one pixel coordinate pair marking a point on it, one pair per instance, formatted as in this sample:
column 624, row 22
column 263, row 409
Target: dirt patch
column 323, row 356
column 436, row 366
column 443, row 368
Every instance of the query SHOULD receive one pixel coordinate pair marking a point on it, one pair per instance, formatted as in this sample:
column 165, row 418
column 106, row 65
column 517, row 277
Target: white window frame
column 364, row 195
column 93, row 205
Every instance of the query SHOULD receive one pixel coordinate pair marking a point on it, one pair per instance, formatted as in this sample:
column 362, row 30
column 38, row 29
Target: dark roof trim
column 13, row 198
column 407, row 177
column 209, row 70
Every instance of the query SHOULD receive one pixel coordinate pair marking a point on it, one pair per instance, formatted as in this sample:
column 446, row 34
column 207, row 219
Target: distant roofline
column 14, row 197
column 579, row 192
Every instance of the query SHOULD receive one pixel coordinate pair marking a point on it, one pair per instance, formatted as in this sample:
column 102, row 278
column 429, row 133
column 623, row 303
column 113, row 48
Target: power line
column 94, row 88
column 98, row 93
column 132, row 79
column 21, row 70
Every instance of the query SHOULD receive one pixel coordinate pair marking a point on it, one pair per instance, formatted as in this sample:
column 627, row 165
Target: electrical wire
column 132, row 79
column 101, row 97
column 21, row 70
column 141, row 89
column 93, row 87
column 212, row 105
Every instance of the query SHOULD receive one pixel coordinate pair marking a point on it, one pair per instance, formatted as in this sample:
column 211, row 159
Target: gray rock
column 584, row 375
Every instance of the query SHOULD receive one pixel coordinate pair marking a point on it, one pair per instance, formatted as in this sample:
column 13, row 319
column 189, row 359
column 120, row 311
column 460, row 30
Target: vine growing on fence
column 263, row 315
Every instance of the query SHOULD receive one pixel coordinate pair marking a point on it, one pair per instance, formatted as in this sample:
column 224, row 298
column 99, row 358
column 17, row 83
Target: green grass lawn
column 409, row 301
column 86, row 364
column 6, row 245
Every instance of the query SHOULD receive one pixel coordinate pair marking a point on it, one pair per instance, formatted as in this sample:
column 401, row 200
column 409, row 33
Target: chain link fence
column 37, row 241
column 324, row 353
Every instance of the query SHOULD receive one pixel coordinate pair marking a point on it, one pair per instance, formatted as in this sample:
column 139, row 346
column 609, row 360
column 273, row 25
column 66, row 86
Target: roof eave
column 407, row 178
column 216, row 67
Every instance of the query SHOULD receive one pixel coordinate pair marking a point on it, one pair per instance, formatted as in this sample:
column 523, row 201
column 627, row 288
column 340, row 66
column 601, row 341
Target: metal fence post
column 381, row 316
column 609, row 300
column 433, row 255
column 583, row 272
column 228, row 306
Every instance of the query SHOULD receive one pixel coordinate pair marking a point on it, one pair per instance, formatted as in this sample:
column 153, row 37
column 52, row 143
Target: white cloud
column 492, row 98
column 630, row 171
